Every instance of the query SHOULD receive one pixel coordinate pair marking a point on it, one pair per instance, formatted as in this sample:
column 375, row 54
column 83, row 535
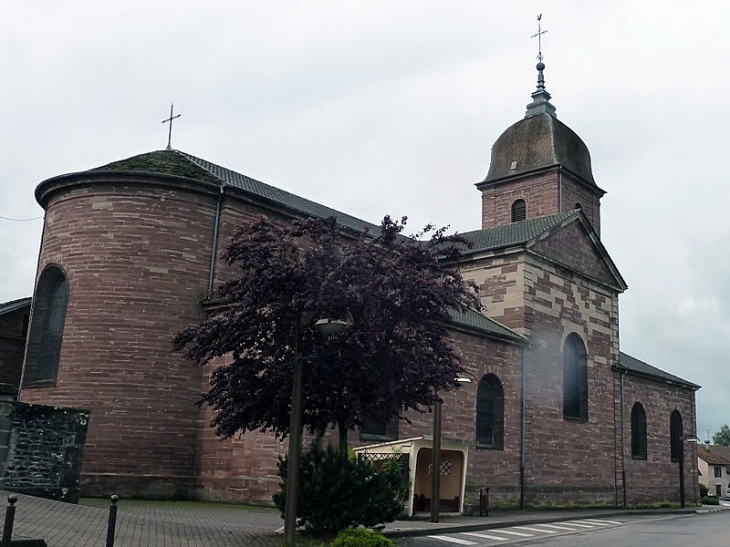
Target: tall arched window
column 46, row 328
column 575, row 378
column 490, row 412
column 519, row 210
column 675, row 434
column 638, row 432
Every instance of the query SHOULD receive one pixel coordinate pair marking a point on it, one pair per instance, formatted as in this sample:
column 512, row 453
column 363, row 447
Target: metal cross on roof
column 539, row 34
column 169, row 133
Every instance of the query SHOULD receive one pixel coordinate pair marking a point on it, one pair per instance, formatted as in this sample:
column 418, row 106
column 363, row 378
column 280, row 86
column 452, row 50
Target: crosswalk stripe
column 485, row 536
column 454, row 540
column 534, row 529
column 595, row 522
column 603, row 521
column 557, row 527
column 511, row 533
column 578, row 524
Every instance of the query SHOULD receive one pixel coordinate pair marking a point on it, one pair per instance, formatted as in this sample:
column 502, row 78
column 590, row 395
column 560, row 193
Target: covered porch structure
column 454, row 459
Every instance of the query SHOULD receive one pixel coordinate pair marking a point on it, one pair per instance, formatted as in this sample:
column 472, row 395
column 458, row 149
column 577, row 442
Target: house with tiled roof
column 553, row 411
column 713, row 463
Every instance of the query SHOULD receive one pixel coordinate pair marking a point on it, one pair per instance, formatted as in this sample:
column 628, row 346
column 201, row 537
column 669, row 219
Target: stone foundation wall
column 41, row 449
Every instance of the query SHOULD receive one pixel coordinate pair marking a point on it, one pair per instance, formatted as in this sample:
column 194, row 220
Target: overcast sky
column 392, row 107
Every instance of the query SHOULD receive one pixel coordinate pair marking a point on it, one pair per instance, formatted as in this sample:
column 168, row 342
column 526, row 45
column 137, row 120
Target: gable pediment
column 574, row 245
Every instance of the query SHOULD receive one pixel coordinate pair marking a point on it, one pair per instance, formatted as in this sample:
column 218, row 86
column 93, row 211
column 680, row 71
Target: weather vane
column 539, row 34
column 169, row 133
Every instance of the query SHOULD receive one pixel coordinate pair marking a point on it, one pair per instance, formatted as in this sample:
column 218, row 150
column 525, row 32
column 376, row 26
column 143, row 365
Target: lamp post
column 436, row 462
column 327, row 327
column 681, row 466
column 436, row 456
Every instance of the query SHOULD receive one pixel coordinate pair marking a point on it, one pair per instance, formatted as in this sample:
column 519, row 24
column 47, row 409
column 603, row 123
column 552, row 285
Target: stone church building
column 553, row 411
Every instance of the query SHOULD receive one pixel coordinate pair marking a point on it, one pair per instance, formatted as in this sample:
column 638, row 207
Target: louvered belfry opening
column 519, row 210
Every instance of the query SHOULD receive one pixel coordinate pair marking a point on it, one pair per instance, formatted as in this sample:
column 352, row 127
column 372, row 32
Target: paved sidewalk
column 199, row 524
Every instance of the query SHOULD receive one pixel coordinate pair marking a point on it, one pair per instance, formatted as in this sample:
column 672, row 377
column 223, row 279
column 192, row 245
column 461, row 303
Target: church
column 551, row 411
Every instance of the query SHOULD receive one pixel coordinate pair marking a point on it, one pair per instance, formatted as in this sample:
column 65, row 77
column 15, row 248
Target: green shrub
column 337, row 493
column 361, row 537
column 703, row 490
column 708, row 500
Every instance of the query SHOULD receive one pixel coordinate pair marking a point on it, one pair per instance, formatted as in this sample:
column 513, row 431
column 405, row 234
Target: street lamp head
column 329, row 326
column 463, row 379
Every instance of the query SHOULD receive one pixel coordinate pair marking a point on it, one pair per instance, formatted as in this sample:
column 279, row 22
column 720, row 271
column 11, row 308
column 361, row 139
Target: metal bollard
column 112, row 521
column 9, row 520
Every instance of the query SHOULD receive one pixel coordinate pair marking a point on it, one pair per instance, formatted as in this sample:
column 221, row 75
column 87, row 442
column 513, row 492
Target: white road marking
column 485, row 536
column 557, row 527
column 521, row 534
column 540, row 528
column 535, row 529
column 454, row 540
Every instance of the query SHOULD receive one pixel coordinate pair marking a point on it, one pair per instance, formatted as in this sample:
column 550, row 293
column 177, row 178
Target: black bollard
column 9, row 520
column 112, row 522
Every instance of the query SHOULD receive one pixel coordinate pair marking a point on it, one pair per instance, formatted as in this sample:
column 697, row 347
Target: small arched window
column 638, row 432
column 519, row 210
column 675, row 435
column 575, row 378
column 578, row 206
column 490, row 412
column 46, row 328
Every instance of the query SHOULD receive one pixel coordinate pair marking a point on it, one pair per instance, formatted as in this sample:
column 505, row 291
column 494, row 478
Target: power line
column 20, row 219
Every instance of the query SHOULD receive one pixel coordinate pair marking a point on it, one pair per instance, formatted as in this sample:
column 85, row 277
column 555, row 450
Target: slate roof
column 515, row 233
column 12, row 305
column 475, row 321
column 635, row 366
column 177, row 163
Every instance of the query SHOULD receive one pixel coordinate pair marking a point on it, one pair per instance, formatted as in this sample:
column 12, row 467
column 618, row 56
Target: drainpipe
column 214, row 249
column 523, row 434
column 560, row 189
column 622, row 375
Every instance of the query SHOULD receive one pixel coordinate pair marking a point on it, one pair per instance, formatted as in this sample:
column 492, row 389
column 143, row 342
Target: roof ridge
column 277, row 195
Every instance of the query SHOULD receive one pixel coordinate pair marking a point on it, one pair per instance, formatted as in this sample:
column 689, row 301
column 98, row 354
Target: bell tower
column 539, row 167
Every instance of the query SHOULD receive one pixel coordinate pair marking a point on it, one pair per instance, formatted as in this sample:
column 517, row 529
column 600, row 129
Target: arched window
column 675, row 434
column 490, row 412
column 46, row 328
column 578, row 206
column 575, row 378
column 638, row 432
column 519, row 210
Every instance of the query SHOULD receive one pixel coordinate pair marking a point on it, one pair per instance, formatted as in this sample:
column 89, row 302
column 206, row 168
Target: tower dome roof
column 539, row 140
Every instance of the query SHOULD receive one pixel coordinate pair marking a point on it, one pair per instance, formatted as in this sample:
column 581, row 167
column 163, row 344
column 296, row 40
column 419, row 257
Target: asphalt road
column 698, row 530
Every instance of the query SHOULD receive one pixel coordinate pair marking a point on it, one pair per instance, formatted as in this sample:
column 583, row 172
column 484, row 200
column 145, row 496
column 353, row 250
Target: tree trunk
column 343, row 441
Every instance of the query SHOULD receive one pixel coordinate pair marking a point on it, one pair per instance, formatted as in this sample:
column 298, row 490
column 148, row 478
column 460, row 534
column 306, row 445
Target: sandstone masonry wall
column 136, row 256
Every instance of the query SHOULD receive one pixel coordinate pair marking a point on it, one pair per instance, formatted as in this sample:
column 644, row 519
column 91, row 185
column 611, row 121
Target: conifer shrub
column 361, row 537
column 704, row 490
column 337, row 492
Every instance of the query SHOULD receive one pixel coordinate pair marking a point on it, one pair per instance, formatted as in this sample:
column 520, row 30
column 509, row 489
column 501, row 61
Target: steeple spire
column 540, row 98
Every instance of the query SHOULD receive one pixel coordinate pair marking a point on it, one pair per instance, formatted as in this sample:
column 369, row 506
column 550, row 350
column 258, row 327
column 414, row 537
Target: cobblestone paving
column 145, row 523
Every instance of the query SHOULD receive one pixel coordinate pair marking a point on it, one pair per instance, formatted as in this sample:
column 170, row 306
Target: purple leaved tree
column 395, row 354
